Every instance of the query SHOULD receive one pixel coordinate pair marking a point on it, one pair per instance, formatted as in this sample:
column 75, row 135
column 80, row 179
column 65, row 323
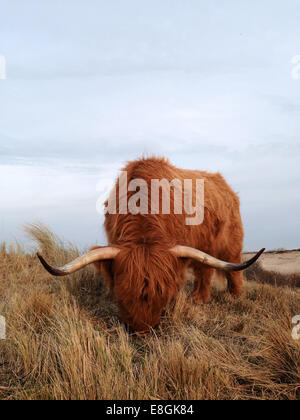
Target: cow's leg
column 203, row 275
column 235, row 279
column 235, row 283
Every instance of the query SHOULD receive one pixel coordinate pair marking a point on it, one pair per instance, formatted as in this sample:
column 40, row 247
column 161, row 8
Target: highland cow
column 148, row 254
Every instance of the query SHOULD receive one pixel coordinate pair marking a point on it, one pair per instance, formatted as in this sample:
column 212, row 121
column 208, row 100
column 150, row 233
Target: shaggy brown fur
column 145, row 276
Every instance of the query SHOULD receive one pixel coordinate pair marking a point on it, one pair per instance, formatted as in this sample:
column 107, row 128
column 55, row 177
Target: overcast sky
column 91, row 84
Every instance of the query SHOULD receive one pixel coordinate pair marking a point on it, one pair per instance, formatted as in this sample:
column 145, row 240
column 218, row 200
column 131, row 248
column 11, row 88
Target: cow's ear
column 104, row 267
column 96, row 264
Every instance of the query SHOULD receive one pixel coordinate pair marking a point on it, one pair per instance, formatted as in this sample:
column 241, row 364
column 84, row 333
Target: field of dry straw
column 65, row 341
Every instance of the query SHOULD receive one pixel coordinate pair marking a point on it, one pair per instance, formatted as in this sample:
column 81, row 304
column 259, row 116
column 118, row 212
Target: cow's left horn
column 98, row 254
column 187, row 252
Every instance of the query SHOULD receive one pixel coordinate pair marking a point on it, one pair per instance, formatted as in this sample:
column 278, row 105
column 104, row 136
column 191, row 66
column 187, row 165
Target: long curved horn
column 187, row 252
column 98, row 254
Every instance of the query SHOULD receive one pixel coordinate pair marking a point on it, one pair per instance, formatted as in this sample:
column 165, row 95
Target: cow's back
column 221, row 227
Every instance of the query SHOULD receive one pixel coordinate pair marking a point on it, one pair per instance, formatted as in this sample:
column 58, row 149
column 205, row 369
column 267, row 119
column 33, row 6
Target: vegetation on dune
column 258, row 274
column 65, row 340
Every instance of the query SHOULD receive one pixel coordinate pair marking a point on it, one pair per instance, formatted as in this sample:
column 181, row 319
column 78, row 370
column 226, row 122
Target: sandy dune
column 285, row 262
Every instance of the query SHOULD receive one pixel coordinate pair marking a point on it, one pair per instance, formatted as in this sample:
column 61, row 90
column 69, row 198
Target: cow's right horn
column 95, row 255
column 196, row 254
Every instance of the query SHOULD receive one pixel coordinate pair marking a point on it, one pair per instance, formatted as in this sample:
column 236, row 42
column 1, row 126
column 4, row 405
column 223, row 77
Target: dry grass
column 65, row 340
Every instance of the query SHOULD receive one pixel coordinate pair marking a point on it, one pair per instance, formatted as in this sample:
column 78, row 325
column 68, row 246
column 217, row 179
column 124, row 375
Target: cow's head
column 143, row 279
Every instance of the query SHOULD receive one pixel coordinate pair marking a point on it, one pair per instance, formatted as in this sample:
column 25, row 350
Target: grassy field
column 65, row 341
